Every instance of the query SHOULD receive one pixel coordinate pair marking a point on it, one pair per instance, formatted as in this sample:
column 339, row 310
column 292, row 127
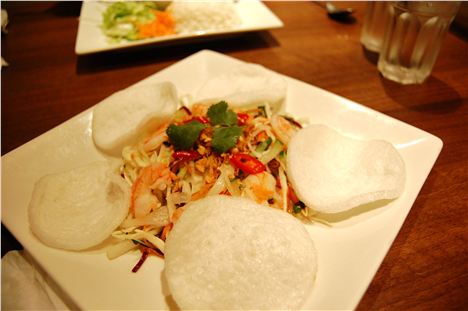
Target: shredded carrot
column 163, row 24
column 155, row 252
column 166, row 230
column 226, row 192
column 292, row 195
column 176, row 215
column 262, row 136
column 202, row 192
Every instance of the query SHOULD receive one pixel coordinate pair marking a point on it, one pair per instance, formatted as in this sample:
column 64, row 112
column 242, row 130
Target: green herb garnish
column 220, row 115
column 298, row 207
column 224, row 138
column 184, row 136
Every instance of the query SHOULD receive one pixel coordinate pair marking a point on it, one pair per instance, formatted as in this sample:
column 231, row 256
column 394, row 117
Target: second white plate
column 254, row 15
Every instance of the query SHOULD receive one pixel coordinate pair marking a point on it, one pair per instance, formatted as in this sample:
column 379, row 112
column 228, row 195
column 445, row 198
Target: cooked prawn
column 260, row 187
column 282, row 128
column 156, row 139
column 143, row 200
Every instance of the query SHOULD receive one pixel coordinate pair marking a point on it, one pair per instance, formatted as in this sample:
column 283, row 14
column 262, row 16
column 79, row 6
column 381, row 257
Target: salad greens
column 123, row 20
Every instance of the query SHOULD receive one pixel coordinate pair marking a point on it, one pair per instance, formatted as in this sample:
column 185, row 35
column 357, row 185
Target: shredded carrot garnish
column 156, row 252
column 166, row 230
column 202, row 192
column 163, row 24
column 262, row 136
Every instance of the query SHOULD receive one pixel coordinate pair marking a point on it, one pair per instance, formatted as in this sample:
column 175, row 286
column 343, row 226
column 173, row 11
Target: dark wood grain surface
column 426, row 267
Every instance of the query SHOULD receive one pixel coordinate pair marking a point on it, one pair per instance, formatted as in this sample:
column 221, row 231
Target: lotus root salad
column 206, row 150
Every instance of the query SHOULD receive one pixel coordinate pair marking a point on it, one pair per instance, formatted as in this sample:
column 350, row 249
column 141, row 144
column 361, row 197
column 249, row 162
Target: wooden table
column 427, row 266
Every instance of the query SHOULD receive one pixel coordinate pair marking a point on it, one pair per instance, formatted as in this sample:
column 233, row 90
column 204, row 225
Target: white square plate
column 349, row 253
column 254, row 16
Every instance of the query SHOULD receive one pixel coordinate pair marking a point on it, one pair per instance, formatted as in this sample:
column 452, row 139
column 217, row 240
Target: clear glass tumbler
column 375, row 21
column 413, row 38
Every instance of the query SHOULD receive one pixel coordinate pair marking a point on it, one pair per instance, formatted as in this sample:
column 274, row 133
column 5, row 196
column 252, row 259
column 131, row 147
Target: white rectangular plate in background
column 349, row 253
column 254, row 16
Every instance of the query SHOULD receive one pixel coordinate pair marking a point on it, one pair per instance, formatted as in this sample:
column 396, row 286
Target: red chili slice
column 186, row 155
column 242, row 118
column 247, row 163
column 292, row 195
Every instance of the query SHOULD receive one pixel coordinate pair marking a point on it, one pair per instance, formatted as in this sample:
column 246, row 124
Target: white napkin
column 23, row 287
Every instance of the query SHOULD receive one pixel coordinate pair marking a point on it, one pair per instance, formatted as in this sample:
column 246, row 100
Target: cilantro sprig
column 184, row 136
column 226, row 131
column 224, row 138
column 219, row 114
column 225, row 134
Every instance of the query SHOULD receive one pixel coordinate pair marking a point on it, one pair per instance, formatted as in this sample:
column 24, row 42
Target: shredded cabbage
column 120, row 248
column 158, row 218
column 272, row 152
column 152, row 239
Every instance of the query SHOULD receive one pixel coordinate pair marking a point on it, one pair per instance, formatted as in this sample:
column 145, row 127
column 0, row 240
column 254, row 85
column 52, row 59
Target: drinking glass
column 373, row 29
column 413, row 38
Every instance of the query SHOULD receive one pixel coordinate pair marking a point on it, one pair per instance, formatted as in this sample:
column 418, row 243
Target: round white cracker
column 79, row 208
column 332, row 173
column 122, row 117
column 232, row 253
column 245, row 84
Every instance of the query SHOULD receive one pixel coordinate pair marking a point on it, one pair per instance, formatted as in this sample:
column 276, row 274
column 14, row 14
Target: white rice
column 194, row 16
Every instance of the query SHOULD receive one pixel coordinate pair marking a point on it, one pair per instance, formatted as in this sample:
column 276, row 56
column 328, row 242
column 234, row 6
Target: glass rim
column 403, row 5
